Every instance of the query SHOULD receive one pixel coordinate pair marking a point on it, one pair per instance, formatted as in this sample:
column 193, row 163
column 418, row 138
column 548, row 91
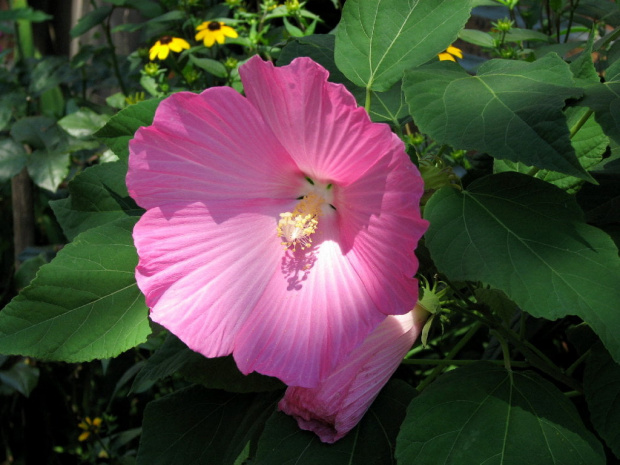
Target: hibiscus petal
column 318, row 122
column 213, row 145
column 314, row 311
column 380, row 227
column 202, row 279
column 339, row 402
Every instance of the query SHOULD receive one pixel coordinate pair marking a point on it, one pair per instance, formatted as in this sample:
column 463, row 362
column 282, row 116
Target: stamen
column 297, row 226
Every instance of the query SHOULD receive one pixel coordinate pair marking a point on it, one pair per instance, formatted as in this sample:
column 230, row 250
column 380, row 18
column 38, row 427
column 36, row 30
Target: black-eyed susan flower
column 451, row 54
column 163, row 46
column 214, row 31
column 89, row 427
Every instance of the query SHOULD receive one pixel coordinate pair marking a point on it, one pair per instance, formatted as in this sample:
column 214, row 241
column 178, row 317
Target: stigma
column 296, row 227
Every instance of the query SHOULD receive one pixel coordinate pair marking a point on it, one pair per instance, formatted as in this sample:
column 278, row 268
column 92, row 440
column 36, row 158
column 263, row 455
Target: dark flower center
column 165, row 40
column 214, row 26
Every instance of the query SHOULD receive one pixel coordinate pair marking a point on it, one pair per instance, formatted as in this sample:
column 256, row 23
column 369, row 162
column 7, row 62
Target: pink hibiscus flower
column 339, row 402
column 280, row 226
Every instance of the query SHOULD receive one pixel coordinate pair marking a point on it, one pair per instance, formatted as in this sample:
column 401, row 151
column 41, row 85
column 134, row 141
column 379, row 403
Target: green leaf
column 48, row 168
column 210, row 65
column 40, row 132
column 476, row 37
column 511, row 110
column 601, row 386
column 604, row 100
column 90, row 20
column 376, row 40
column 12, row 159
column 48, row 73
column 371, row 441
column 119, row 130
column 216, row 373
column 83, row 305
column 83, row 123
column 528, row 238
column 482, row 414
column 589, row 143
column 26, row 14
column 97, row 196
column 201, row 426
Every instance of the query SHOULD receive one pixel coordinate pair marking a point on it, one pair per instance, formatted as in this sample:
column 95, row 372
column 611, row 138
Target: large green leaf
column 215, row 373
column 97, row 196
column 201, row 426
column 601, row 385
column 377, row 40
column 119, row 130
column 372, row 441
column 510, row 109
column 83, row 305
column 589, row 143
column 482, row 414
column 528, row 238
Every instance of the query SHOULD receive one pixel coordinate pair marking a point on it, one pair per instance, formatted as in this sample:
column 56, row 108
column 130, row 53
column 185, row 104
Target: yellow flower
column 89, row 426
column 450, row 54
column 162, row 47
column 214, row 31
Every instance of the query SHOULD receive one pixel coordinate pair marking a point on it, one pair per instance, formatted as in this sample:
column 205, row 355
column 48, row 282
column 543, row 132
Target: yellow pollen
column 297, row 226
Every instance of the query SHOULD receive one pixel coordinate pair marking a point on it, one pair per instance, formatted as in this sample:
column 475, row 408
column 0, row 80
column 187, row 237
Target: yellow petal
column 229, row 32
column 454, row 51
column 445, row 57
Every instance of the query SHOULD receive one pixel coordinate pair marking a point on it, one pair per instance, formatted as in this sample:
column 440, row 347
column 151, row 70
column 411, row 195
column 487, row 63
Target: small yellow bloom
column 450, row 54
column 89, row 426
column 162, row 47
column 214, row 31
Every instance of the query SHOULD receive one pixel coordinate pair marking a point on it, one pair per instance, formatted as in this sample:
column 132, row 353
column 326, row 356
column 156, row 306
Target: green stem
column 367, row 101
column 115, row 67
column 537, row 358
column 453, row 353
column 571, row 369
column 505, row 350
column 584, row 118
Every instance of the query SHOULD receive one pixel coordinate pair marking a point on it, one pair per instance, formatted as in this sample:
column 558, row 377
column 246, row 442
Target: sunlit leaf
column 377, row 40
column 83, row 305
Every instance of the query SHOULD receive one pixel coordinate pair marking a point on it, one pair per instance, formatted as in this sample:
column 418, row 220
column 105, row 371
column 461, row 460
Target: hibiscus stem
column 367, row 101
column 453, row 353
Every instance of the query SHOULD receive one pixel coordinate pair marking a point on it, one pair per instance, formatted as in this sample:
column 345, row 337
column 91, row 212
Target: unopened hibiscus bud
column 430, row 304
column 340, row 401
column 436, row 175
